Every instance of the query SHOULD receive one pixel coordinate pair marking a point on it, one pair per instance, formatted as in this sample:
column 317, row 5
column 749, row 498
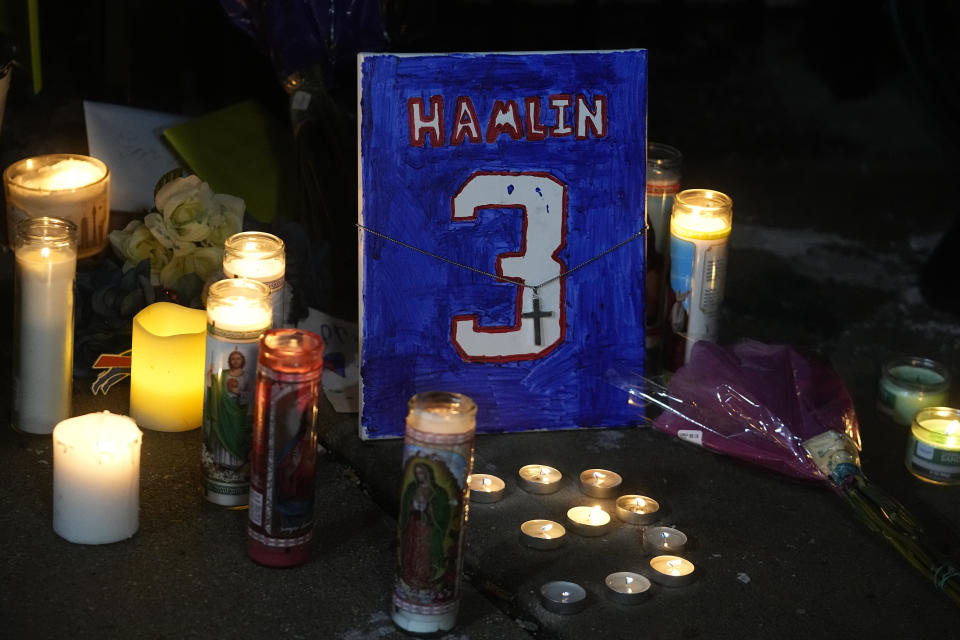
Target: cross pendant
column 536, row 314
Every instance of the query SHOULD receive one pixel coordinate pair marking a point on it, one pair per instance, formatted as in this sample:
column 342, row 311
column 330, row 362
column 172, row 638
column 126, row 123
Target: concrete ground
column 842, row 199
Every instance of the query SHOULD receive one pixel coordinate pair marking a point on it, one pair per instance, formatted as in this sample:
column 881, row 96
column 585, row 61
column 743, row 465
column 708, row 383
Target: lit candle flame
column 598, row 478
column 545, row 531
column 640, row 504
column 45, row 252
column 596, row 515
column 674, row 565
column 485, row 482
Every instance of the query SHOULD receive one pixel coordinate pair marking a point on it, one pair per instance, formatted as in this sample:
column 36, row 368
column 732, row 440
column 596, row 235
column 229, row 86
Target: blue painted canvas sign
column 502, row 249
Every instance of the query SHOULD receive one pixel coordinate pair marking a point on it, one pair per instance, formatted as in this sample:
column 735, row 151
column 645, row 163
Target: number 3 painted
column 540, row 323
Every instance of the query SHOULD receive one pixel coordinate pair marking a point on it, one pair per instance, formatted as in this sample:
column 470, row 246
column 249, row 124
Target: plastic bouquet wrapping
column 788, row 412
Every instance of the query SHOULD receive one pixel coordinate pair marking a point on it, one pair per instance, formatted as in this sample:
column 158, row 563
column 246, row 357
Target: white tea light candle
column 658, row 540
column 910, row 384
column 588, row 521
column 96, row 478
column 563, row 597
column 933, row 446
column 542, row 534
column 634, row 509
column 166, row 367
column 600, row 483
column 485, row 488
column 539, row 478
column 672, row 571
column 45, row 266
column 626, row 587
column 67, row 186
column 259, row 256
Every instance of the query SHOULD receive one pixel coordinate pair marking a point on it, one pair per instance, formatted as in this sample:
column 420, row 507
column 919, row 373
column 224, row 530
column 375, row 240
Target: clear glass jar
column 662, row 183
column 933, row 446
column 259, row 256
column 45, row 252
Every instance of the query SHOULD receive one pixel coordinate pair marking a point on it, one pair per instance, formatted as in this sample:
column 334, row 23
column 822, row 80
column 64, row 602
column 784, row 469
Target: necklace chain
column 534, row 287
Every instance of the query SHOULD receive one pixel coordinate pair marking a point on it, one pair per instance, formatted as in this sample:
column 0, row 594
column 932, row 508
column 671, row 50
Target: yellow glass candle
column 933, row 447
column 166, row 367
column 67, row 186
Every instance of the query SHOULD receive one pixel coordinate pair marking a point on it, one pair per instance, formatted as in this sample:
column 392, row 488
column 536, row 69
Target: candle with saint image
column 700, row 227
column 260, row 256
column 45, row 266
column 437, row 460
column 238, row 312
column 96, row 478
column 66, row 186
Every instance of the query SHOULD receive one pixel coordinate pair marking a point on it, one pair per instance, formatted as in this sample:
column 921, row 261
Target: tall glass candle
column 699, row 231
column 238, row 312
column 259, row 256
column 933, row 446
column 437, row 458
column 166, row 367
column 283, row 461
column 663, row 182
column 67, row 186
column 96, row 478
column 46, row 263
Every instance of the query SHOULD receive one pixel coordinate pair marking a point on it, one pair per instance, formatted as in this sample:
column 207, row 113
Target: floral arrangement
column 183, row 239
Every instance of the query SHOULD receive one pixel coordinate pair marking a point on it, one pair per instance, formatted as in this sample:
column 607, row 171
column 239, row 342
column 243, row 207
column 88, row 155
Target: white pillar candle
column 67, row 186
column 96, row 478
column 699, row 231
column 166, row 367
column 46, row 263
column 259, row 256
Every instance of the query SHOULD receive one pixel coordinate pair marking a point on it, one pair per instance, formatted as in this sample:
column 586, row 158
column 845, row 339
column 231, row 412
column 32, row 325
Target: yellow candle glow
column 672, row 571
column 166, row 368
column 588, row 521
column 933, row 447
column 259, row 256
column 539, row 478
column 66, row 186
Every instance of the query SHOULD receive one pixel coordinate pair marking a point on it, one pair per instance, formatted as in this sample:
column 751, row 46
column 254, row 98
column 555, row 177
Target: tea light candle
column 563, row 597
column 96, row 478
column 910, row 384
column 672, row 571
column 664, row 540
column 67, row 186
column 45, row 258
column 542, row 534
column 485, row 488
column 539, row 478
column 700, row 226
column 259, row 256
column 634, row 509
column 625, row 587
column 166, row 367
column 599, row 483
column 933, row 447
column 588, row 521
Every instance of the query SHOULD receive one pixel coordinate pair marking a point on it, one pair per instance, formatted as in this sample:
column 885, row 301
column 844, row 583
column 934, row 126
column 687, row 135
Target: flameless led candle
column 539, row 478
column 700, row 227
column 45, row 265
column 259, row 256
column 933, row 447
column 626, row 587
column 672, row 571
column 634, row 509
column 96, row 478
column 588, row 521
column 599, row 483
column 542, row 534
column 563, row 597
column 166, row 367
column 485, row 487
column 658, row 540
column 66, row 186
column 910, row 384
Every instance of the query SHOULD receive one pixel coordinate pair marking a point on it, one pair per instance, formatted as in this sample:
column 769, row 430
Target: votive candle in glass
column 259, row 256
column 66, row 186
column 437, row 459
column 663, row 182
column 933, row 446
column 45, row 253
column 238, row 312
column 700, row 227
column 910, row 384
